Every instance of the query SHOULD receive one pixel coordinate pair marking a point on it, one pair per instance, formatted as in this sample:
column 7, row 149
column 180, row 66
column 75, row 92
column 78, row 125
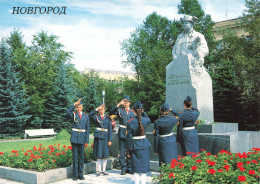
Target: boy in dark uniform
column 124, row 114
column 79, row 136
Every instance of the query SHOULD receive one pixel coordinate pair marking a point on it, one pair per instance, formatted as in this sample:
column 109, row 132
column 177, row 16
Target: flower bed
column 42, row 158
column 225, row 167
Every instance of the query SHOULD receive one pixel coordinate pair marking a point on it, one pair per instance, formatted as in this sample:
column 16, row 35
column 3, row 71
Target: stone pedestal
column 181, row 82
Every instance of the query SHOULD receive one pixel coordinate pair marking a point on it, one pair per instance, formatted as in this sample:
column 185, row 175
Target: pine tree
column 91, row 98
column 55, row 108
column 13, row 103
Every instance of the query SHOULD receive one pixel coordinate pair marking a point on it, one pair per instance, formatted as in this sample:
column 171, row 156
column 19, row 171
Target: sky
column 93, row 29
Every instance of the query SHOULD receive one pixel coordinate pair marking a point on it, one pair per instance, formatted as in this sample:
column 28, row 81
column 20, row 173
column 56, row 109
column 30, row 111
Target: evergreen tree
column 62, row 97
column 91, row 97
column 13, row 103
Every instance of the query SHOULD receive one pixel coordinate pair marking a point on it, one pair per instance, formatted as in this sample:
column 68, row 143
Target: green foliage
column 13, row 103
column 55, row 115
column 236, row 73
column 148, row 50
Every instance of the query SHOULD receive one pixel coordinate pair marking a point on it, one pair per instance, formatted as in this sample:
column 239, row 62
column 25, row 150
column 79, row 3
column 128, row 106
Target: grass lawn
column 63, row 138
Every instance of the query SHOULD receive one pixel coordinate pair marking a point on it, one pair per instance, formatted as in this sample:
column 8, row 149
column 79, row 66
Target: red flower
column 39, row 149
column 220, row 170
column 41, row 153
column 171, row 175
column 40, row 144
column 1, row 153
column 198, row 161
column 64, row 146
column 63, row 153
column 30, row 160
column 181, row 165
column 202, row 150
column 54, row 160
column 86, row 145
column 211, row 171
column 251, row 172
column 248, row 162
column 57, row 154
column 194, row 168
column 241, row 178
column 194, row 156
column 160, row 176
column 225, row 161
column 239, row 164
column 254, row 161
column 227, row 167
column 256, row 149
column 25, row 153
column 224, row 151
column 70, row 147
column 13, row 151
column 188, row 153
column 242, row 169
column 211, row 163
column 208, row 154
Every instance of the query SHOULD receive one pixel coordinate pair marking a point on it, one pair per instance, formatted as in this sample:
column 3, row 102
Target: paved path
column 113, row 177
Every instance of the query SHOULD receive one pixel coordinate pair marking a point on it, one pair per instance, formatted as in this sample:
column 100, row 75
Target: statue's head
column 188, row 22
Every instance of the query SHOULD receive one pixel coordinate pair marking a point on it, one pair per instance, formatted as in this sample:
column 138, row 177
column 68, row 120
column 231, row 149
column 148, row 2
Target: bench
column 39, row 132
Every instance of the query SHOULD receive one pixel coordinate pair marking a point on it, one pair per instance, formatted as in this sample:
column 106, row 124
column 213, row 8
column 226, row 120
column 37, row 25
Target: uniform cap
column 138, row 105
column 165, row 107
column 127, row 97
column 188, row 99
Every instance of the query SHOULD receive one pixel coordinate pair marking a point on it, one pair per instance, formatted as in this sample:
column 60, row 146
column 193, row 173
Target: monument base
column 182, row 82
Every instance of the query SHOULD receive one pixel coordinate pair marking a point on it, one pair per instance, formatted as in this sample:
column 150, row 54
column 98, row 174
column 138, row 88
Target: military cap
column 165, row 107
column 138, row 105
column 188, row 99
column 127, row 97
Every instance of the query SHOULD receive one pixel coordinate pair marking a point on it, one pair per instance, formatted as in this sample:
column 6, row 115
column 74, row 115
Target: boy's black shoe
column 123, row 172
column 75, row 178
column 81, row 178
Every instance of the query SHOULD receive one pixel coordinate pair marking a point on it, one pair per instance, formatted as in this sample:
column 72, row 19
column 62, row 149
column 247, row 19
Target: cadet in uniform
column 102, row 138
column 79, row 136
column 138, row 145
column 124, row 114
column 186, row 133
column 164, row 140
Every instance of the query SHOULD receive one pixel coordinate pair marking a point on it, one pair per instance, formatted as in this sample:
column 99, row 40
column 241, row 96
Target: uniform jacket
column 83, row 123
column 123, row 119
column 186, row 119
column 164, row 125
column 133, row 130
column 105, row 123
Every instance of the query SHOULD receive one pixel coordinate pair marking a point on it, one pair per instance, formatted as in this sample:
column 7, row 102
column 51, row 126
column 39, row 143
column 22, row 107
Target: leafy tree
column 62, row 97
column 148, row 50
column 46, row 56
column 239, row 57
column 13, row 103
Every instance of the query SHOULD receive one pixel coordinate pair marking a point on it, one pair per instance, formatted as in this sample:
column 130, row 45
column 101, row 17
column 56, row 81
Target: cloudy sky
column 93, row 29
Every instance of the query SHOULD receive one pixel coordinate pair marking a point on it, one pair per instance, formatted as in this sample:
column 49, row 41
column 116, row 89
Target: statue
column 193, row 43
column 186, row 75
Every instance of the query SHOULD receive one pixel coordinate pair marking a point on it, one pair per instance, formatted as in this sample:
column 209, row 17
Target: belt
column 122, row 126
column 102, row 129
column 139, row 137
column 78, row 130
column 166, row 135
column 188, row 128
